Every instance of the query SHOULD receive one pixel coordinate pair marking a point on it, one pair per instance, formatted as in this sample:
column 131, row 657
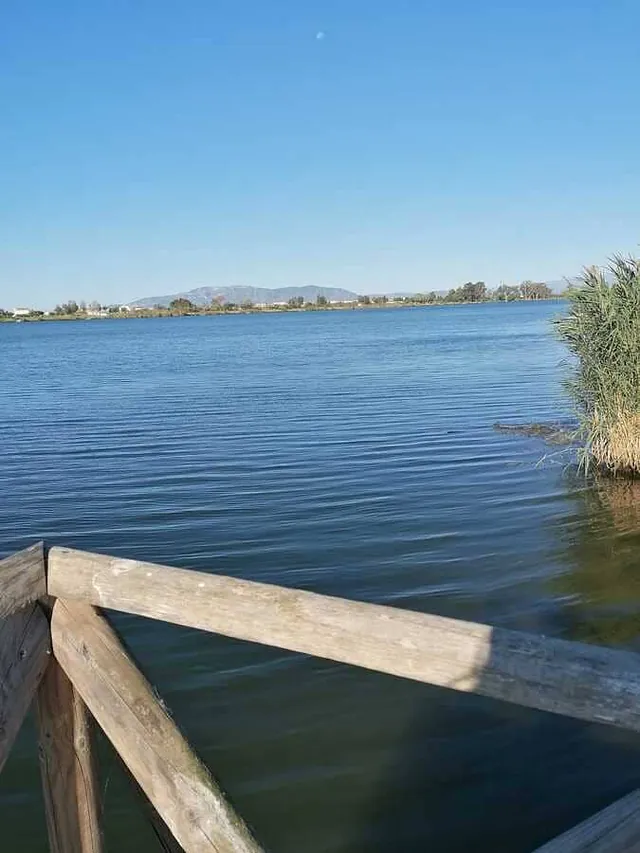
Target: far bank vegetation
column 471, row 292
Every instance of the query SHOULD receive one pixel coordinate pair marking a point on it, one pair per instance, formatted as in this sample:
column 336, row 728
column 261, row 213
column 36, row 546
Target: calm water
column 350, row 453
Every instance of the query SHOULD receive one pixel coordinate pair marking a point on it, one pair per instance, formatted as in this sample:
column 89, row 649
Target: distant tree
column 474, row 291
column 296, row 302
column 422, row 298
column 322, row 301
column 94, row 306
column 506, row 293
column 67, row 308
column 535, row 290
column 181, row 306
column 247, row 305
column 379, row 300
column 543, row 291
column 454, row 295
column 4, row 313
column 229, row 306
column 82, row 307
column 364, row 300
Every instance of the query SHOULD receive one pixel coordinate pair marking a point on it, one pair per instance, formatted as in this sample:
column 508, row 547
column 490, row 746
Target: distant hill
column 205, row 295
column 202, row 296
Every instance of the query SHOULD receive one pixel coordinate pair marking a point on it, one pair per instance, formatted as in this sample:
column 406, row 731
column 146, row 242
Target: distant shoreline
column 155, row 313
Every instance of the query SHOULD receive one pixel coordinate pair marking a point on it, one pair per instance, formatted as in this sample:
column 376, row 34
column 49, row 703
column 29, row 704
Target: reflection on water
column 603, row 556
column 351, row 453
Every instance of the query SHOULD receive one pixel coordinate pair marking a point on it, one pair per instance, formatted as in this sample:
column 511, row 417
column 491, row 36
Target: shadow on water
column 475, row 772
column 602, row 590
column 471, row 771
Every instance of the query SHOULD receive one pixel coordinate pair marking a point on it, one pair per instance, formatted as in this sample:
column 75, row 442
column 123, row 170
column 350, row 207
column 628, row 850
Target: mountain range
column 202, row 296
column 258, row 295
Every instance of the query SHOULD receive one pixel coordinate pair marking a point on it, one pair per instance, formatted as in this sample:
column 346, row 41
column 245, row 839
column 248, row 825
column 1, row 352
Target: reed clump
column 602, row 331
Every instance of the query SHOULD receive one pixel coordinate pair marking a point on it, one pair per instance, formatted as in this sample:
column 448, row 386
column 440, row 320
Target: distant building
column 22, row 312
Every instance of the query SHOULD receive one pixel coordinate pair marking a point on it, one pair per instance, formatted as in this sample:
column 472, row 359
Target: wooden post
column 123, row 703
column 22, row 579
column 615, row 829
column 575, row 679
column 69, row 780
column 25, row 653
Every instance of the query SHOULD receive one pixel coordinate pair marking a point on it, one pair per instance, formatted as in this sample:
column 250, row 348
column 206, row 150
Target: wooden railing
column 57, row 648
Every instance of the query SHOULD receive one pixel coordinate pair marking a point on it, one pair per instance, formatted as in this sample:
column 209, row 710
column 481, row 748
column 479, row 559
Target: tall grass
column 602, row 330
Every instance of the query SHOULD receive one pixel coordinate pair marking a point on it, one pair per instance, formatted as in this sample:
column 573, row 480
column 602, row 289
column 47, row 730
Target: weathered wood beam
column 22, row 579
column 24, row 656
column 165, row 839
column 578, row 680
column 67, row 765
column 123, row 703
column 615, row 829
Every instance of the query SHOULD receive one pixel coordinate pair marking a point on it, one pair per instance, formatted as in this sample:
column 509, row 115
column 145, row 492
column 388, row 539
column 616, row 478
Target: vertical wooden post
column 24, row 657
column 67, row 766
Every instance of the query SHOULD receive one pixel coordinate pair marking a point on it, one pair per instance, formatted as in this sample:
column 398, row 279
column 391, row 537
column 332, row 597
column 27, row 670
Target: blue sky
column 148, row 146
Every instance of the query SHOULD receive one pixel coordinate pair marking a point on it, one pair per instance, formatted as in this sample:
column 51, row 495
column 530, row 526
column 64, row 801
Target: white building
column 21, row 312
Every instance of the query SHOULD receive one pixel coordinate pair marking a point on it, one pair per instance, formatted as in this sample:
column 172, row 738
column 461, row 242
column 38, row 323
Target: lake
column 350, row 453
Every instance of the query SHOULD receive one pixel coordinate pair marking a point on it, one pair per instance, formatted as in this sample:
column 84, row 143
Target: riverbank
column 144, row 313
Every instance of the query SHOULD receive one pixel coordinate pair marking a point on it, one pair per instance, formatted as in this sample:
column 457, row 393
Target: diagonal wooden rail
column 92, row 670
column 178, row 785
column 615, row 829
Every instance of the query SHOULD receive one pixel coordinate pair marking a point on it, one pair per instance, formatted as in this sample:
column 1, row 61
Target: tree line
column 477, row 291
column 470, row 292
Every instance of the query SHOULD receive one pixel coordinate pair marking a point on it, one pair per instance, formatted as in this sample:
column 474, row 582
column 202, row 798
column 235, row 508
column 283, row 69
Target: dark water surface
column 350, row 453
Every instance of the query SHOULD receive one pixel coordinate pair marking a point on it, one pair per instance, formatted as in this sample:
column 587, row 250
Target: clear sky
column 150, row 146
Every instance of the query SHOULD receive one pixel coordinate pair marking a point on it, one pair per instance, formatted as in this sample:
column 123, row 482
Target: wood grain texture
column 22, row 579
column 24, row 656
column 123, row 703
column 574, row 679
column 67, row 766
column 165, row 839
column 615, row 829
